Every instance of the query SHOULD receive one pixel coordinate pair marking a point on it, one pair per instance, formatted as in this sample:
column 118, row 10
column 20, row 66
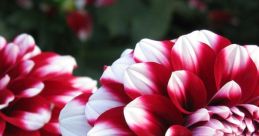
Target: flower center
column 222, row 120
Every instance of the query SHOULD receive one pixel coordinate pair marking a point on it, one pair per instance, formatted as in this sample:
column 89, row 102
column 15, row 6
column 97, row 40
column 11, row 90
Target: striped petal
column 111, row 122
column 216, row 42
column 200, row 115
column 2, row 42
column 113, row 75
column 186, row 91
column 22, row 69
column 153, row 51
column 49, row 65
column 151, row 115
column 60, row 91
column 33, row 116
column 25, row 43
column 230, row 95
column 52, row 127
column 196, row 57
column 206, row 131
column 146, row 78
column 102, row 100
column 177, row 130
column 8, row 57
column 234, row 63
column 6, row 97
column 26, row 87
column 72, row 118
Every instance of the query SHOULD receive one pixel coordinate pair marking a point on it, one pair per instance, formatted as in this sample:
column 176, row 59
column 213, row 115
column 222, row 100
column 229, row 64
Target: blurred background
column 95, row 32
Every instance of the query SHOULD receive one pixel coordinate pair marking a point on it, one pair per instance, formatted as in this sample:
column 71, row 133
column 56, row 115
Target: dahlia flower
column 197, row 84
column 81, row 23
column 34, row 87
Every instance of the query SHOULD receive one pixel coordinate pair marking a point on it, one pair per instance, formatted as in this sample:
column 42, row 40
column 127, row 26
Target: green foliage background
column 123, row 24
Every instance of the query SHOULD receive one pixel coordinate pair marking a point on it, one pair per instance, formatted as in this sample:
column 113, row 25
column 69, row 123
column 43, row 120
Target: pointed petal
column 49, row 65
column 64, row 88
column 229, row 95
column 33, row 116
column 149, row 114
column 252, row 51
column 153, row 51
column 196, row 57
column 146, row 78
column 72, row 118
column 206, row 131
column 198, row 116
column 251, row 109
column 52, row 127
column 22, row 69
column 26, row 87
column 177, row 130
column 111, row 122
column 6, row 97
column 186, row 91
column 8, row 57
column 114, row 74
column 221, row 111
column 119, row 66
column 234, row 63
column 216, row 42
column 25, row 43
column 102, row 100
column 4, row 81
column 3, row 42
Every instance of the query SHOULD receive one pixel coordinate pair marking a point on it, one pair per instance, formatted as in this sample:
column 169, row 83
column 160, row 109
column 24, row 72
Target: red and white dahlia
column 34, row 87
column 198, row 84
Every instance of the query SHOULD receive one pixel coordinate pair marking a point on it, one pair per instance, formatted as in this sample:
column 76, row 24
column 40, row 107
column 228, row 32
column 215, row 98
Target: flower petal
column 52, row 127
column 6, row 97
column 22, row 69
column 234, row 63
column 72, row 118
column 31, row 117
column 198, row 116
column 26, row 87
column 196, row 57
column 60, row 91
column 49, row 65
column 111, row 122
column 8, row 57
column 216, row 42
column 102, row 100
column 206, row 131
column 230, row 95
column 2, row 43
column 253, row 50
column 177, row 130
column 25, row 43
column 186, row 91
column 151, row 115
column 145, row 78
column 114, row 74
column 153, row 51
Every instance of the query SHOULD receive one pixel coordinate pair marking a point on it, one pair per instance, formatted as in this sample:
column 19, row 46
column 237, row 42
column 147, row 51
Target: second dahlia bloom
column 197, row 84
column 34, row 87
